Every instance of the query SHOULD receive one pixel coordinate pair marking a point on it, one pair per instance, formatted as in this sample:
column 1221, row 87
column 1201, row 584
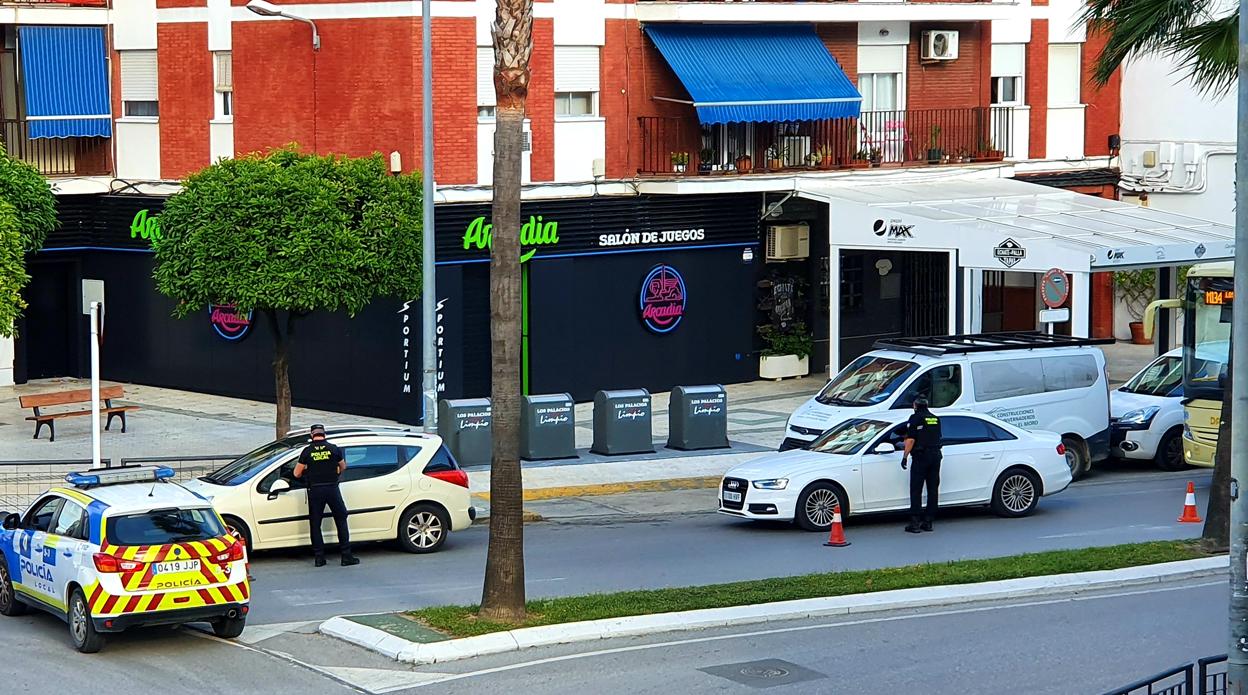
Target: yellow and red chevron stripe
column 105, row 604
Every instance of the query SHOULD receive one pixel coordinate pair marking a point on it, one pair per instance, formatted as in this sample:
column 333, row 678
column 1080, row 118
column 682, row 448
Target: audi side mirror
column 885, row 448
column 278, row 487
column 12, row 522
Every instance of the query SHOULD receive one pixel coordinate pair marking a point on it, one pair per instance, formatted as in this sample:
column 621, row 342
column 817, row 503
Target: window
column 880, row 91
column 727, row 142
column 443, row 460
column 1009, row 65
column 1064, row 74
column 286, row 472
column 485, row 112
column 223, row 68
column 964, row 430
column 139, row 86
column 1163, row 377
column 574, row 104
column 999, row 433
column 941, row 386
column 1013, row 378
column 849, row 437
column 866, row 381
column 372, row 461
column 485, row 81
column 72, row 521
column 40, row 517
column 164, row 526
column 851, row 283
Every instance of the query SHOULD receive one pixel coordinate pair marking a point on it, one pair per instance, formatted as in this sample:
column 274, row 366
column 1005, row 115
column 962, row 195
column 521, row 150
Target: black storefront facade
column 620, row 292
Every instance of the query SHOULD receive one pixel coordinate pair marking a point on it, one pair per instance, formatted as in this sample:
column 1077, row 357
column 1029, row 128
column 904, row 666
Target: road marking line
column 807, row 628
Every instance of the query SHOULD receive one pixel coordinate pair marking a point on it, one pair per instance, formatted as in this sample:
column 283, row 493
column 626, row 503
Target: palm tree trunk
column 281, row 369
column 1216, row 536
column 502, row 598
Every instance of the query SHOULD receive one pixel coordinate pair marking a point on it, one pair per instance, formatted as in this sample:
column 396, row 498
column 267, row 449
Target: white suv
column 398, row 485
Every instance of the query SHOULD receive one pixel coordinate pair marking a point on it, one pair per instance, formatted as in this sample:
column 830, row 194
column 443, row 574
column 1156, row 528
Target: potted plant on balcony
column 990, row 154
column 775, row 157
column 705, row 158
column 877, row 157
column 744, row 163
column 787, row 353
column 825, row 157
column 861, row 160
column 680, row 162
column 934, row 154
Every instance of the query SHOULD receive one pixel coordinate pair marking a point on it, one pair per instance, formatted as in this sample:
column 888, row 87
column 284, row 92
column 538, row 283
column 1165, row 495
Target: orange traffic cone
column 836, row 537
column 1190, row 516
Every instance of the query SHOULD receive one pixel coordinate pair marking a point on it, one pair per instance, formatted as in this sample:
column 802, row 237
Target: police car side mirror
column 885, row 448
column 278, row 487
column 12, row 522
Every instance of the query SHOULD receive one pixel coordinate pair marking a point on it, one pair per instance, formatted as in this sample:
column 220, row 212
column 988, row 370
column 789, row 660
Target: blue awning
column 66, row 78
column 756, row 73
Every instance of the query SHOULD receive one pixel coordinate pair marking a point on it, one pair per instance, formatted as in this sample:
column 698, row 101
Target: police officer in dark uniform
column 923, row 447
column 320, row 465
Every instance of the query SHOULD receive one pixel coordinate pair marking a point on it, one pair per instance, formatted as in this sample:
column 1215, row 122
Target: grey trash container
column 622, row 422
column 465, row 425
column 697, row 418
column 548, row 427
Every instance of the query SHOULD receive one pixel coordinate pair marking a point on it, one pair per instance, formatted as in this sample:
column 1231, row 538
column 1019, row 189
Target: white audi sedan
column 857, row 465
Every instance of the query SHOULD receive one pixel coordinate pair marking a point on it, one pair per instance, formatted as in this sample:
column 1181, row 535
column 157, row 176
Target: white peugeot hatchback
column 857, row 465
column 398, row 485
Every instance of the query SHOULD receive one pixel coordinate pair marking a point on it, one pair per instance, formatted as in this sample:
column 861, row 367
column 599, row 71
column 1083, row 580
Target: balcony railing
column 929, row 137
column 55, row 156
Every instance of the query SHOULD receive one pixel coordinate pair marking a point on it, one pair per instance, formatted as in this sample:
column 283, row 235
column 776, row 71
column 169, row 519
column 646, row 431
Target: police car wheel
column 229, row 628
column 1016, row 493
column 423, row 529
column 81, row 629
column 9, row 605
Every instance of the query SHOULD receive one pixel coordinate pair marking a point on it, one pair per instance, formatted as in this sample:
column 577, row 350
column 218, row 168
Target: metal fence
column 1205, row 677
column 23, row 481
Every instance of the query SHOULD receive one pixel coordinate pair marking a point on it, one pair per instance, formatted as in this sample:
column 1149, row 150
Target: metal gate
column 1205, row 677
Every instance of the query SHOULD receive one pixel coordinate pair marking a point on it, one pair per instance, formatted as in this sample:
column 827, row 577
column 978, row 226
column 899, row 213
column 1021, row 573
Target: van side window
column 1007, row 379
column 1069, row 372
column 941, row 386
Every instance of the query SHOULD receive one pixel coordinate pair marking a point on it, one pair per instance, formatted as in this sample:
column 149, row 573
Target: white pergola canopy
column 1053, row 227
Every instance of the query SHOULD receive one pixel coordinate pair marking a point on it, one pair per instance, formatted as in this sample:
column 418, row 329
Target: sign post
column 1054, row 291
column 97, row 310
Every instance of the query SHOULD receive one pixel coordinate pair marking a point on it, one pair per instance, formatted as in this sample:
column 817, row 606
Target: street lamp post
column 429, row 297
column 268, row 9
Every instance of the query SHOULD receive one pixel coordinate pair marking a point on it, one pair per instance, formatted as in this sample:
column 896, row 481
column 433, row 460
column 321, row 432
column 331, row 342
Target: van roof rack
column 985, row 342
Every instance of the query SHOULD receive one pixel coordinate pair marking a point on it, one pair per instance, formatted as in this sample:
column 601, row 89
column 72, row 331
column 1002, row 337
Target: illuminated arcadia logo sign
column 662, row 301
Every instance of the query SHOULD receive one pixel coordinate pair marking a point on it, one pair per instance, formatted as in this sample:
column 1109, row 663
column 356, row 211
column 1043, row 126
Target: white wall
column 6, row 361
column 578, row 142
column 138, row 148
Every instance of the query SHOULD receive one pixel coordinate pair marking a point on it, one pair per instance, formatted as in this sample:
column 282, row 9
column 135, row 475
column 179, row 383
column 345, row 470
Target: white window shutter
column 224, row 71
column 576, row 68
column 1064, row 74
column 139, row 81
column 485, row 76
column 1009, row 59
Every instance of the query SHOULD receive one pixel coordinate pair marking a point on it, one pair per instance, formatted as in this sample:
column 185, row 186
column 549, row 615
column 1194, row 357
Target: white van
column 1030, row 380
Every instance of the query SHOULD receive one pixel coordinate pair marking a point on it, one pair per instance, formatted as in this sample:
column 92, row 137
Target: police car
column 119, row 548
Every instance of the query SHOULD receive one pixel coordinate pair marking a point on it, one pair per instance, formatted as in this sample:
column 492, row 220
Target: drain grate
column 768, row 673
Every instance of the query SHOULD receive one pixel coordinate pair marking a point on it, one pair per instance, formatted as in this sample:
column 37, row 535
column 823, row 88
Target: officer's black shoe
column 320, row 561
column 913, row 527
column 927, row 526
column 348, row 560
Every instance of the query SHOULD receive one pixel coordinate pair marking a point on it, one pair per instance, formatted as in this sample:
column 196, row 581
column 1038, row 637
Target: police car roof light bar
column 985, row 342
column 113, row 476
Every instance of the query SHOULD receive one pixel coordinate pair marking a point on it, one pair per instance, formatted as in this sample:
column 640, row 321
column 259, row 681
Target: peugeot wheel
column 423, row 529
column 81, row 628
column 816, row 505
column 1170, row 452
column 1016, row 493
column 235, row 527
column 9, row 605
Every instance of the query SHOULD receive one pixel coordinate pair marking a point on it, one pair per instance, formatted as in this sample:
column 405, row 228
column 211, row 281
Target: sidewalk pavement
column 180, row 423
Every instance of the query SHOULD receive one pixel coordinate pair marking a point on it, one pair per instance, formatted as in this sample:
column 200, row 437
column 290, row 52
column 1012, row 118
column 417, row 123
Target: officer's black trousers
column 318, row 497
column 924, row 470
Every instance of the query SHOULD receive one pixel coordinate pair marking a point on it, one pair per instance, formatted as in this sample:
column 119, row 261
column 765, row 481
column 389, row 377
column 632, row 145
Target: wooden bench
column 43, row 400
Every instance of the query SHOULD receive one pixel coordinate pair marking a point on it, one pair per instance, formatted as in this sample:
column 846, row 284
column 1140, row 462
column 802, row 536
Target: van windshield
column 866, row 381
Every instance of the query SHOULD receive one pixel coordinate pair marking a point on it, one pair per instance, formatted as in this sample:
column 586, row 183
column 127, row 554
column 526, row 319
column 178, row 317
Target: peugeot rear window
column 162, row 526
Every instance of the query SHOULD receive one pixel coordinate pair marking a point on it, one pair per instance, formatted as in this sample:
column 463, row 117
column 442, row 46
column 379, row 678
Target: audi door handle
column 986, row 457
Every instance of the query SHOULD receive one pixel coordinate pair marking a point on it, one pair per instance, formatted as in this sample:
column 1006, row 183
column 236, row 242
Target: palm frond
column 1209, row 52
column 1136, row 27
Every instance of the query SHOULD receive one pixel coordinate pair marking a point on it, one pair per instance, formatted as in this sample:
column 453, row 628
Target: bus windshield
column 1207, row 336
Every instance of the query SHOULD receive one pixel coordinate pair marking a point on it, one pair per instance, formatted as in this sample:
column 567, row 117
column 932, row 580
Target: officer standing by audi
column 320, row 465
column 923, row 448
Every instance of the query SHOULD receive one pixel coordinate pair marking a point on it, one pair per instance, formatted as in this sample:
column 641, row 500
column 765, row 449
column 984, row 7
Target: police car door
column 69, row 547
column 36, row 574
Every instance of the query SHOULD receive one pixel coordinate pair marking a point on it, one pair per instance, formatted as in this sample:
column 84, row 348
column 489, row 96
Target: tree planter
column 782, row 366
column 679, row 168
column 1137, row 333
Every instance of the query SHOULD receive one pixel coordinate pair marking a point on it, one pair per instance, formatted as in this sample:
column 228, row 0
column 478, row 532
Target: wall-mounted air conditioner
column 940, row 45
column 788, row 242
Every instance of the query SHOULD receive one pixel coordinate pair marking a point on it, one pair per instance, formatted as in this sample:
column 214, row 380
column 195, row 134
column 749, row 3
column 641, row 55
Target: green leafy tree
column 286, row 234
column 1200, row 34
column 27, row 215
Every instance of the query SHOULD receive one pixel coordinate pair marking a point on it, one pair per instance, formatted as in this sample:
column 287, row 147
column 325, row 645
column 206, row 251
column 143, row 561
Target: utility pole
column 96, row 309
column 429, row 295
column 1237, row 650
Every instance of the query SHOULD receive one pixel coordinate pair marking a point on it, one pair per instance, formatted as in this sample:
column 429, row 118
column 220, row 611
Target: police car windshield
column 242, row 469
column 866, row 381
column 849, row 437
column 163, row 526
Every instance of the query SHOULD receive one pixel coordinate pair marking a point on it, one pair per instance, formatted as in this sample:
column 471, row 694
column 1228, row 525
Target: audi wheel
column 816, row 505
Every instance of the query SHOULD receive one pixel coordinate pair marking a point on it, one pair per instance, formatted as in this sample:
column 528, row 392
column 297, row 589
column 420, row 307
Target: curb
column 926, row 597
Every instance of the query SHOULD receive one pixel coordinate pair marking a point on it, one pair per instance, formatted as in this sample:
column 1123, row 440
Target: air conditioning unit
column 787, row 242
column 940, row 45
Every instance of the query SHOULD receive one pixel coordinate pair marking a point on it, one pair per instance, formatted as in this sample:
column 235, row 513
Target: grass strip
column 461, row 621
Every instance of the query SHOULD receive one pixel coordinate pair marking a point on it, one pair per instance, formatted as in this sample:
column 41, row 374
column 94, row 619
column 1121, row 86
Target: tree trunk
column 281, row 369
column 1217, row 533
column 502, row 598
